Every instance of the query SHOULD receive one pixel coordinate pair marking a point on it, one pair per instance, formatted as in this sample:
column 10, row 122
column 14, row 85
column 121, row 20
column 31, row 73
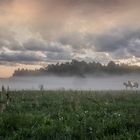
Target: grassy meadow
column 70, row 115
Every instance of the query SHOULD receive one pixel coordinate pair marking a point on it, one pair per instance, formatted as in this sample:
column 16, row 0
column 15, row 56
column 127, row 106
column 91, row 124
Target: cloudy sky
column 34, row 33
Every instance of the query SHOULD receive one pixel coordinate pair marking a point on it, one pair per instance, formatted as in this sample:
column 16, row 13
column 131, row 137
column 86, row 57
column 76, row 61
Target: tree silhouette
column 79, row 68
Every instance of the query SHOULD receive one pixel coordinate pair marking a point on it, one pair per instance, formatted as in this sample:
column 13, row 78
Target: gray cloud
column 59, row 56
column 113, row 45
column 76, row 40
column 134, row 47
column 120, row 43
column 31, row 50
column 42, row 45
column 20, row 57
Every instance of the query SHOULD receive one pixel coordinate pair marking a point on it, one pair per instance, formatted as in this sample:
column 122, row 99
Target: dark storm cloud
column 19, row 57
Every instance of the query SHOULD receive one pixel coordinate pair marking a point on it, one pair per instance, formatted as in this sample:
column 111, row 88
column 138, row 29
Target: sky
column 34, row 33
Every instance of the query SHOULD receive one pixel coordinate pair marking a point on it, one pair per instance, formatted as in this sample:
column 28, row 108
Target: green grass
column 71, row 115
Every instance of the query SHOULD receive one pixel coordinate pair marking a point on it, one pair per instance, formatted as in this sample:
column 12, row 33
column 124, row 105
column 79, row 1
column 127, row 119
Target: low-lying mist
column 74, row 83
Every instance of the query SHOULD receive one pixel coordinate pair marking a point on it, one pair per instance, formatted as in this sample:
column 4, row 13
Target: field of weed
column 70, row 115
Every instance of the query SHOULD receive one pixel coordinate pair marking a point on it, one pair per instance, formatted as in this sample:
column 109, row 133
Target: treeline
column 80, row 68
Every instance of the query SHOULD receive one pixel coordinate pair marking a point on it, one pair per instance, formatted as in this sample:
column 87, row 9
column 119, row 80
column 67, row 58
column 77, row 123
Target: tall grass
column 71, row 115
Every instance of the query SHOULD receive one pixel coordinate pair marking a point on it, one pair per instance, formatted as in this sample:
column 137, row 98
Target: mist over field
column 105, row 82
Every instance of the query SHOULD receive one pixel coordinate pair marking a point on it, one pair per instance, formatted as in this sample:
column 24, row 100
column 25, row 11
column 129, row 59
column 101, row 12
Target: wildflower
column 61, row 118
column 86, row 112
column 117, row 114
column 90, row 129
column 2, row 107
column 106, row 103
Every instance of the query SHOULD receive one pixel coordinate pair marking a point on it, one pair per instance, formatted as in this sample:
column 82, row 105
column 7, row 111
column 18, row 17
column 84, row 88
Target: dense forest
column 80, row 68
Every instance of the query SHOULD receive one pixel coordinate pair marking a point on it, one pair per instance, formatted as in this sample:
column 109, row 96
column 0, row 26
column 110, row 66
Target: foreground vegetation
column 70, row 115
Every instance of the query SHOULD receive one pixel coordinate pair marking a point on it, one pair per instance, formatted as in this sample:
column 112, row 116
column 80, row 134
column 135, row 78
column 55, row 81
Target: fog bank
column 74, row 83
